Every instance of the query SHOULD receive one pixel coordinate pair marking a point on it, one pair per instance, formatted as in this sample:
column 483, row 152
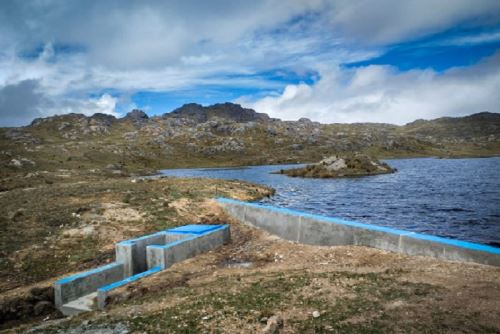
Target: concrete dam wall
column 329, row 231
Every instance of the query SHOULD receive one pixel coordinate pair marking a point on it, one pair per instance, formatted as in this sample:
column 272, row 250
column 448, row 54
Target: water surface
column 454, row 198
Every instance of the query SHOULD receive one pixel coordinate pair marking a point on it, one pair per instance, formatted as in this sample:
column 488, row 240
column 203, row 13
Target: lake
column 454, row 198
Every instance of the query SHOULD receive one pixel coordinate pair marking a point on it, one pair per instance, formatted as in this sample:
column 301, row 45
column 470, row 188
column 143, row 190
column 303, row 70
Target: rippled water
column 455, row 198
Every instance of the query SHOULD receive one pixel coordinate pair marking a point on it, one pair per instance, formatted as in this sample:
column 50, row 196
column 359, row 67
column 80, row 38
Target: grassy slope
column 66, row 222
column 292, row 142
column 47, row 207
column 355, row 289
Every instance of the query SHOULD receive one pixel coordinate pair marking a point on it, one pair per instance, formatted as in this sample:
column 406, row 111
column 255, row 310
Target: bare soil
column 237, row 287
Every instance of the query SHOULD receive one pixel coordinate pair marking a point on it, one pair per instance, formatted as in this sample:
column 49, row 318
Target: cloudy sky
column 332, row 61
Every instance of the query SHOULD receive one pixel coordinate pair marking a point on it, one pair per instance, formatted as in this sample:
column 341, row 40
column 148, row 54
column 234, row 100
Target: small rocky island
column 341, row 166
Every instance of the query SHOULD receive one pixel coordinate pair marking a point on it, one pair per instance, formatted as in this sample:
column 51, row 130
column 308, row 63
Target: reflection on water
column 457, row 198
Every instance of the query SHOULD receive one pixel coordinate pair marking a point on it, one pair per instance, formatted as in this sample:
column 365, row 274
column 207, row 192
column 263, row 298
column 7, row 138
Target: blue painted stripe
column 131, row 241
column 130, row 279
column 88, row 273
column 186, row 229
column 452, row 242
column 173, row 243
column 194, row 229
column 194, row 236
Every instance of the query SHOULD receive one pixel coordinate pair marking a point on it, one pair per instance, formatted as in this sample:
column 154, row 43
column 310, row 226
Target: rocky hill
column 227, row 134
column 65, row 203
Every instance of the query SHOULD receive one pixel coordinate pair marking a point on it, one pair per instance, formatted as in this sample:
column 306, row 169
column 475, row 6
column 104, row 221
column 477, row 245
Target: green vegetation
column 348, row 302
column 68, row 193
column 341, row 166
column 109, row 146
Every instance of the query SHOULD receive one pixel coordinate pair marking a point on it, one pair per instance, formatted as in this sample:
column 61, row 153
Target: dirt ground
column 52, row 229
column 258, row 278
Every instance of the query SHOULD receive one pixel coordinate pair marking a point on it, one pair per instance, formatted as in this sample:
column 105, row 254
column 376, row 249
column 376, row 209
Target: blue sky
column 439, row 52
column 332, row 61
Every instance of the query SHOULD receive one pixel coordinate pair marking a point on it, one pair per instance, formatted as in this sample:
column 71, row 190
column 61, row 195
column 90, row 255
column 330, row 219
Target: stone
column 340, row 166
column 43, row 307
column 45, row 293
column 316, row 314
column 136, row 115
column 274, row 324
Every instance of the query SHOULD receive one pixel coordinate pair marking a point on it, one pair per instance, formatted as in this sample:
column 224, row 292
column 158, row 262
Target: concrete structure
column 329, row 231
column 192, row 243
column 135, row 259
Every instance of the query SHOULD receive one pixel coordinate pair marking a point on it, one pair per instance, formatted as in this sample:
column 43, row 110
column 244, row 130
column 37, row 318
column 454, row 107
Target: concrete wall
column 76, row 286
column 103, row 292
column 140, row 257
column 166, row 255
column 329, row 231
column 132, row 253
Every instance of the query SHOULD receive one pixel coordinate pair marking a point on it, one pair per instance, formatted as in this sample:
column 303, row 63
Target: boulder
column 342, row 166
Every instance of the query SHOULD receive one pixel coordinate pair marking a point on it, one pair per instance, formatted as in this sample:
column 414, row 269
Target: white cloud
column 486, row 37
column 105, row 104
column 391, row 21
column 383, row 94
column 21, row 102
column 129, row 46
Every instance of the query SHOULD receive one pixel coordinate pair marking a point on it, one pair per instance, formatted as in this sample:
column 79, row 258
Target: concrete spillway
column 329, row 231
column 135, row 259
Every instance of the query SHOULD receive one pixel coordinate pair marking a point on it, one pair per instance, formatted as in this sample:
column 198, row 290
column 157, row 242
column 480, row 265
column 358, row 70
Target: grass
column 239, row 303
column 33, row 222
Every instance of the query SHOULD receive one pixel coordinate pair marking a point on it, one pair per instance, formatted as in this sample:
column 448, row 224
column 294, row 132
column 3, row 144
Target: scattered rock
column 43, row 294
column 21, row 162
column 316, row 314
column 274, row 324
column 342, row 166
column 43, row 307
column 136, row 115
column 17, row 214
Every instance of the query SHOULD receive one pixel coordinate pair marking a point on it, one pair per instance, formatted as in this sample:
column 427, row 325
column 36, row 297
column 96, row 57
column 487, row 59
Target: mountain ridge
column 237, row 113
column 227, row 135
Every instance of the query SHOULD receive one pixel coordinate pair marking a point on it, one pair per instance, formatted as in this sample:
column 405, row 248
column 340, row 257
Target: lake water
column 454, row 198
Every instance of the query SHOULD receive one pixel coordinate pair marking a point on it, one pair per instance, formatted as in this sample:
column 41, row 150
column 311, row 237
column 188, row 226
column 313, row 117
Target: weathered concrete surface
column 135, row 259
column 76, row 286
column 132, row 253
column 166, row 255
column 328, row 231
column 83, row 304
column 103, row 292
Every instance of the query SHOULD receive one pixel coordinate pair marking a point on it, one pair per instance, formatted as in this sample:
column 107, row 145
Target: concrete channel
column 136, row 259
column 319, row 230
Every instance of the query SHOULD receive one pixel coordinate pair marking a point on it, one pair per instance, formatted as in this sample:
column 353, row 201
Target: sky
column 345, row 61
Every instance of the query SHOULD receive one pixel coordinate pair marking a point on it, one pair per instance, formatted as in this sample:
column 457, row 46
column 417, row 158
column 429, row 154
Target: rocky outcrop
column 227, row 111
column 136, row 115
column 342, row 166
column 194, row 134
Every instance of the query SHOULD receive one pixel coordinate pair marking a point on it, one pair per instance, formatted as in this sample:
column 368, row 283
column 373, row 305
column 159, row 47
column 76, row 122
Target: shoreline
column 383, row 158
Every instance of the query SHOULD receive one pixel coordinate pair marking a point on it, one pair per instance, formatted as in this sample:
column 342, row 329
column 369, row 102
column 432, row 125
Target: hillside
column 66, row 201
column 227, row 134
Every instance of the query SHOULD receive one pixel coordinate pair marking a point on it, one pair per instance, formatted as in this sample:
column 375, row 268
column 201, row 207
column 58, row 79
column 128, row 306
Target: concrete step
column 83, row 304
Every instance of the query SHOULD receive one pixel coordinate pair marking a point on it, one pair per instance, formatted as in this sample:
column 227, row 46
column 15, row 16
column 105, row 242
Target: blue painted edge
column 194, row 229
column 130, row 279
column 210, row 229
column 172, row 230
column 131, row 241
column 452, row 242
column 88, row 273
column 194, row 236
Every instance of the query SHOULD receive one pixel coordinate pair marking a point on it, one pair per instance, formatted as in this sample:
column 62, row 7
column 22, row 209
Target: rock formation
column 342, row 166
